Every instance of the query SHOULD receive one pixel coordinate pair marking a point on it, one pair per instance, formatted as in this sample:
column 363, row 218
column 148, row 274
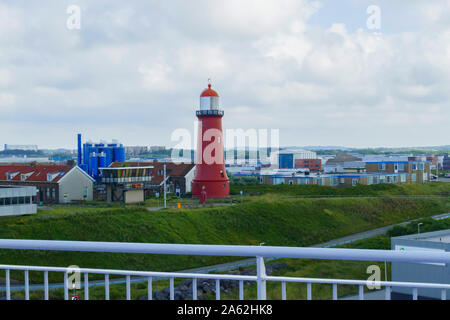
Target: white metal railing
column 260, row 252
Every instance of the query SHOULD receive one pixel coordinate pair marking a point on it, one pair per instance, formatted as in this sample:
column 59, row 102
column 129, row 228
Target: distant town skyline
column 349, row 73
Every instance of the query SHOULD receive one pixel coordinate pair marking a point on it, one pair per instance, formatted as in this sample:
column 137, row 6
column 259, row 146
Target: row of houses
column 374, row 173
column 122, row 181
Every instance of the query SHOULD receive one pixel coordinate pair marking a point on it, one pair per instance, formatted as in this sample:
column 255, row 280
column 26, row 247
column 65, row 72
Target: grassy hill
column 290, row 222
column 435, row 188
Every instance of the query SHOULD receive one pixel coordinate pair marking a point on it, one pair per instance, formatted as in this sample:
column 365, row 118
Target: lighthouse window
column 214, row 103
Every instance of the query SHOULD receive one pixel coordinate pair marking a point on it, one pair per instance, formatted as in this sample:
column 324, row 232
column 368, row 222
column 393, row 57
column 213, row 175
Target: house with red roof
column 55, row 183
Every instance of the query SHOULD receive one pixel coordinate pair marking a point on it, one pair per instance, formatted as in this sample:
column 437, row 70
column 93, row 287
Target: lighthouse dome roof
column 209, row 92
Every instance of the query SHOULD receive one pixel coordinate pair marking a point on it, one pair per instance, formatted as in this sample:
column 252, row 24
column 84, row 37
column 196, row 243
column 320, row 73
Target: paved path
column 240, row 263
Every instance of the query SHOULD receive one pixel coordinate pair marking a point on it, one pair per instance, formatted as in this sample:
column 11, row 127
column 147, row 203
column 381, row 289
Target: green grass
column 292, row 222
column 435, row 188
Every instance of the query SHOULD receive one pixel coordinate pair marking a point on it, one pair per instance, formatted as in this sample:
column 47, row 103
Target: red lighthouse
column 210, row 176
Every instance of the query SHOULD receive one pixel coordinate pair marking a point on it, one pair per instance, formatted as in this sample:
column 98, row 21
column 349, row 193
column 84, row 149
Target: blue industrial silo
column 109, row 155
column 99, row 155
column 93, row 165
column 119, row 154
column 102, row 160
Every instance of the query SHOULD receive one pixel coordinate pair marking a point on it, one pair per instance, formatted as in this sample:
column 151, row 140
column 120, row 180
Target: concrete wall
column 74, row 184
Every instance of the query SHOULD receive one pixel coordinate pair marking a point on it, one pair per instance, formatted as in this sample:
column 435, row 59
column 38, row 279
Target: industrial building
column 17, row 200
column 93, row 156
column 300, row 159
column 54, row 183
column 438, row 241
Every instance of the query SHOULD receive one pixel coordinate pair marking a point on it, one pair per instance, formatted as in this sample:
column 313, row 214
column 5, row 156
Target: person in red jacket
column 203, row 196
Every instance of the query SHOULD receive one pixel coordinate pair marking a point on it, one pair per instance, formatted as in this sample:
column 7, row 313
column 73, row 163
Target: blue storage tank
column 102, row 160
column 93, row 165
column 119, row 154
column 86, row 153
column 286, row 161
column 109, row 155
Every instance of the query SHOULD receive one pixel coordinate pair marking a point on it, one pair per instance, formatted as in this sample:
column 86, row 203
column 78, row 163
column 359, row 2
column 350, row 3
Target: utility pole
column 165, row 204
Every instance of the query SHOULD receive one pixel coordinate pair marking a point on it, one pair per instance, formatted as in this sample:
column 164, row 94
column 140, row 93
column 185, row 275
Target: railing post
column 361, row 292
column 66, row 286
column 444, row 294
column 194, row 289
column 27, row 286
column 172, row 289
column 388, row 293
column 128, row 289
column 217, row 289
column 283, row 290
column 8, row 285
column 149, row 288
column 309, row 291
column 106, row 286
column 46, row 285
column 86, row 286
column 415, row 293
column 335, row 293
column 241, row 289
column 261, row 274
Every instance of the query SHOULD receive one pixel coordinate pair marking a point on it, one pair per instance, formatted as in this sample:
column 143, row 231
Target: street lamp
column 418, row 227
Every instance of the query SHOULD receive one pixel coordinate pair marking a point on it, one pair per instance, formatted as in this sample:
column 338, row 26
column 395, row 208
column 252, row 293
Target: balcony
column 209, row 113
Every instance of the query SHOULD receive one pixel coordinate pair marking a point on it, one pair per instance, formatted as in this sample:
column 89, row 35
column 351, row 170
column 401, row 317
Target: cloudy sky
column 315, row 70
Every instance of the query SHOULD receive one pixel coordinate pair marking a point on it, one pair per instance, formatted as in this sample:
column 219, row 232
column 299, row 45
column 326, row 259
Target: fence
column 259, row 252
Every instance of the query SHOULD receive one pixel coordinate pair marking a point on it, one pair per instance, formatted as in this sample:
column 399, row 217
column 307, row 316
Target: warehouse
column 17, row 200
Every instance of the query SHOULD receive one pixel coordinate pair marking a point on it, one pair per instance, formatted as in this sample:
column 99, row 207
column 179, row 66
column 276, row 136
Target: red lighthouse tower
column 210, row 175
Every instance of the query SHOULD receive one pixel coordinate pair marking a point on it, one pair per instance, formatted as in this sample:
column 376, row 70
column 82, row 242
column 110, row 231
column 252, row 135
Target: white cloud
column 134, row 71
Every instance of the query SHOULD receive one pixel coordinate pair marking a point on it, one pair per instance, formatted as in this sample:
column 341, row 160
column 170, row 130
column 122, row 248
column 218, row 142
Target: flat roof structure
column 437, row 241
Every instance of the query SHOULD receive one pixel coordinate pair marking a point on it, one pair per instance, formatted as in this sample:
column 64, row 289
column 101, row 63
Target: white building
column 28, row 147
column 17, row 200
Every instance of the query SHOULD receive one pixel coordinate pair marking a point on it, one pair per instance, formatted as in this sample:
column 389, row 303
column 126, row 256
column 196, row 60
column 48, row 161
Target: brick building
column 311, row 164
column 55, row 183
